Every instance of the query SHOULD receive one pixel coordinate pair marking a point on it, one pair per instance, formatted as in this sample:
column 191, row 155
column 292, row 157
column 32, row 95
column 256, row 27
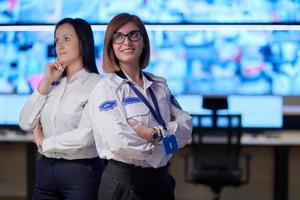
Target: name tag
column 170, row 144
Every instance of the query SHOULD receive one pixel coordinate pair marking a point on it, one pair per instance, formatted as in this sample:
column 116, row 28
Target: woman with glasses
column 141, row 122
column 70, row 167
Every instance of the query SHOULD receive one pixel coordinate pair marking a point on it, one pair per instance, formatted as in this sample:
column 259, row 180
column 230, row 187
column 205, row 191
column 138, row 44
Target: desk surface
column 12, row 136
column 291, row 138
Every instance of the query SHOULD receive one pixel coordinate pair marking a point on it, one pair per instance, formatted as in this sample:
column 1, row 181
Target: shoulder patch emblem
column 107, row 105
column 130, row 100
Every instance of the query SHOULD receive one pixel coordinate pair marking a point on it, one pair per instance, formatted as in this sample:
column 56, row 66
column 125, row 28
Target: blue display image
column 154, row 11
column 193, row 62
column 253, row 110
column 26, row 55
column 203, row 62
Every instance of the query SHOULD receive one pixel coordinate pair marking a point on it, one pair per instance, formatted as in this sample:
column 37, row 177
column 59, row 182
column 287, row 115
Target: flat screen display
column 11, row 106
column 257, row 112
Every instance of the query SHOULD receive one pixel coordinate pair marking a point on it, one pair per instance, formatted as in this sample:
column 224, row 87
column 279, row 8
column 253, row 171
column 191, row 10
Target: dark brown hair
column 110, row 61
column 86, row 41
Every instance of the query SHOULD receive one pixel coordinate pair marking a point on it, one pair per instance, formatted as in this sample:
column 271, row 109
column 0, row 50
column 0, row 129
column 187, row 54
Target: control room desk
column 281, row 142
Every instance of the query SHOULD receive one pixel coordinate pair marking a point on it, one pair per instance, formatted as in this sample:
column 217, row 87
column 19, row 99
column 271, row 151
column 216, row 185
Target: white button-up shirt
column 64, row 117
column 113, row 106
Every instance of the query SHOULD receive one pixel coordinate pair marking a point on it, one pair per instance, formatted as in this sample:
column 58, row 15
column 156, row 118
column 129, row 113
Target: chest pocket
column 75, row 104
column 73, row 108
column 137, row 112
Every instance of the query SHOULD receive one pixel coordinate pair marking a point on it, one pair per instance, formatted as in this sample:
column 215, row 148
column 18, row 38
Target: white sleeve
column 30, row 113
column 72, row 140
column 182, row 125
column 111, row 127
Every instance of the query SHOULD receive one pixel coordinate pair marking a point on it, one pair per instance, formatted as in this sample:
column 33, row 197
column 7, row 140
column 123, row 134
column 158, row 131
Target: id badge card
column 170, row 144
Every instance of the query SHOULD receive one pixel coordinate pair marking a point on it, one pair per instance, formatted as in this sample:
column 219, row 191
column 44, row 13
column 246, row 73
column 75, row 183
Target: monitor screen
column 257, row 112
column 158, row 11
column 11, row 106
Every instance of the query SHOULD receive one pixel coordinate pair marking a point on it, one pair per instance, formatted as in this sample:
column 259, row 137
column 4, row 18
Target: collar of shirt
column 81, row 75
column 148, row 80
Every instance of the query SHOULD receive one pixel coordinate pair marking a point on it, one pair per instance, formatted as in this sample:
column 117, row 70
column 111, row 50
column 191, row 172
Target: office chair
column 215, row 151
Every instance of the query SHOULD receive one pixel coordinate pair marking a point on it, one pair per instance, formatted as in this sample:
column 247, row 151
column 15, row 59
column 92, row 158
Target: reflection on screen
column 256, row 111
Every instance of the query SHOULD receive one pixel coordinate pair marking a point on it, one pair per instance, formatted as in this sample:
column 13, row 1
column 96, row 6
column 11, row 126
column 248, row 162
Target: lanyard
column 169, row 142
column 155, row 112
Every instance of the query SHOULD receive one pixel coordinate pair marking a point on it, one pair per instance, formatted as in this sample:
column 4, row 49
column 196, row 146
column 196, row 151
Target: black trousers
column 122, row 181
column 60, row 179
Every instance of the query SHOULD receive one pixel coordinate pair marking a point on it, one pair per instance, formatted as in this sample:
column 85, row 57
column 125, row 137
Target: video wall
column 223, row 59
column 154, row 11
column 206, row 62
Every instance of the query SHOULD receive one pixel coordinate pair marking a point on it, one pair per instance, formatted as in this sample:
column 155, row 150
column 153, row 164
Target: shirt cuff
column 171, row 129
column 37, row 96
column 48, row 144
column 158, row 157
column 163, row 131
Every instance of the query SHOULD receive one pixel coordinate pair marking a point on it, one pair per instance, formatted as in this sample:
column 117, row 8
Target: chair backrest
column 216, row 147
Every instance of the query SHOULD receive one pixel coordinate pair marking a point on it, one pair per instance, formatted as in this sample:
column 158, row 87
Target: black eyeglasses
column 133, row 36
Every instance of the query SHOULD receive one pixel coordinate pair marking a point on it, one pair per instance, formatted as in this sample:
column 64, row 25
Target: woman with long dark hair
column 69, row 167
